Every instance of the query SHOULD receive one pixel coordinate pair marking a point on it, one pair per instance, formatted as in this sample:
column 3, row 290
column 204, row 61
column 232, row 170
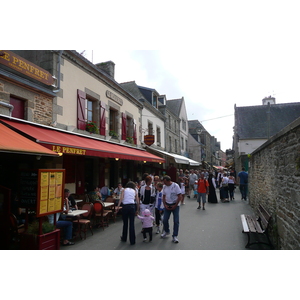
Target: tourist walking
column 171, row 200
column 212, row 196
column 129, row 199
column 147, row 220
column 147, row 196
column 203, row 190
column 219, row 182
column 243, row 183
column 182, row 188
column 224, row 188
column 159, row 206
column 192, row 178
column 231, row 186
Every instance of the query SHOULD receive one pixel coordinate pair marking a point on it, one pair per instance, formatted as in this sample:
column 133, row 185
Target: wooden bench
column 257, row 225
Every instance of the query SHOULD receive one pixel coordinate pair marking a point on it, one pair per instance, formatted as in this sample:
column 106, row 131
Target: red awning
column 64, row 142
column 12, row 142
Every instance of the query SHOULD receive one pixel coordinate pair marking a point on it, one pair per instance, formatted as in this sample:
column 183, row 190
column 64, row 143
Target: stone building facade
column 274, row 181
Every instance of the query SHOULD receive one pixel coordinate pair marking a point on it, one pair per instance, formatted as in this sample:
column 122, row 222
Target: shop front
column 88, row 161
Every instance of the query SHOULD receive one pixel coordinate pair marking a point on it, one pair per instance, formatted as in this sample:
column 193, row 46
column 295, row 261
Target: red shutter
column 124, row 125
column 134, row 133
column 102, row 126
column 81, row 124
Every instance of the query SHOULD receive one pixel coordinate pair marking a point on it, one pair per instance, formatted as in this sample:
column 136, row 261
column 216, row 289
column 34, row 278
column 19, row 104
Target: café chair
column 112, row 208
column 101, row 215
column 15, row 230
column 84, row 222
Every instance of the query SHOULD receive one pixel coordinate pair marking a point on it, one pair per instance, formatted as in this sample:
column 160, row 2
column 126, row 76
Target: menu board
column 50, row 191
column 28, row 183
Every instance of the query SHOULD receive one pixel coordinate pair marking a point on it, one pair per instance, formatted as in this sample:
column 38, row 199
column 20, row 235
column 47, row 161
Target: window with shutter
column 102, row 126
column 81, row 118
column 124, row 125
column 134, row 133
column 19, row 108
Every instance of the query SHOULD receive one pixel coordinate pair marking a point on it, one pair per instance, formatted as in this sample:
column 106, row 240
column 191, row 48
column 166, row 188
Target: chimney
column 268, row 100
column 108, row 67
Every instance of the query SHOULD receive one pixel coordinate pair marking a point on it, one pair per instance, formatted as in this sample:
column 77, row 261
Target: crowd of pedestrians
column 156, row 198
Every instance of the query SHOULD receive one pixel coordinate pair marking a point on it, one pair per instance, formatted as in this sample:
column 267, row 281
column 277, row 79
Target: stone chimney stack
column 268, row 100
column 108, row 67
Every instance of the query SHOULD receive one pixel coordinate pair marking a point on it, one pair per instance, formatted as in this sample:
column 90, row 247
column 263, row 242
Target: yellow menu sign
column 50, row 191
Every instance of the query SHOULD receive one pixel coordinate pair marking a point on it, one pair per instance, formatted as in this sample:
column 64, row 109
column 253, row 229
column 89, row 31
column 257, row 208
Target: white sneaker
column 164, row 234
column 175, row 239
column 145, row 240
column 157, row 231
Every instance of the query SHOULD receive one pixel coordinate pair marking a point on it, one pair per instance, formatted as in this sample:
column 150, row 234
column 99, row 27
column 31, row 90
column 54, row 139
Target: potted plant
column 49, row 239
column 113, row 134
column 129, row 140
column 92, row 127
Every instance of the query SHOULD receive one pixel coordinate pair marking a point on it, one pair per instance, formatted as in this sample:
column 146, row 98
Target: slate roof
column 133, row 89
column 194, row 125
column 251, row 122
column 174, row 106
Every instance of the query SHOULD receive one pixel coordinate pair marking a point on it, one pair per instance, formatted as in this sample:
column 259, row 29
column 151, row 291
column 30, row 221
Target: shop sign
column 25, row 67
column 114, row 97
column 68, row 150
column 149, row 140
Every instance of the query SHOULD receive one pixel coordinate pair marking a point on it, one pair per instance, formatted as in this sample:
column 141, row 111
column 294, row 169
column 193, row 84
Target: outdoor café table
column 77, row 212
column 110, row 206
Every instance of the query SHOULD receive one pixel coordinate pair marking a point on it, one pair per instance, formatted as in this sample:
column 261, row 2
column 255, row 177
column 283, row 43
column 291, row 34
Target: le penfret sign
column 26, row 67
column 50, row 191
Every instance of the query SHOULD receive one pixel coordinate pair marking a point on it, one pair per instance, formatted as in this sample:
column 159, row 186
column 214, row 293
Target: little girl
column 182, row 188
column 147, row 220
column 196, row 189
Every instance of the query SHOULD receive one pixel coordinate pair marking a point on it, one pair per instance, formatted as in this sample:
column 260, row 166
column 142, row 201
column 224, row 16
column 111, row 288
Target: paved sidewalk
column 218, row 227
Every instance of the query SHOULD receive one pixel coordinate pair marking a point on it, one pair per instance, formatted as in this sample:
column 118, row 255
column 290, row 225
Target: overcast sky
column 215, row 54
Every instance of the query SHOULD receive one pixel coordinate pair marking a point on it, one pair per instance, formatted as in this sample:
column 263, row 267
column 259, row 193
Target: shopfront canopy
column 179, row 159
column 61, row 141
column 12, row 142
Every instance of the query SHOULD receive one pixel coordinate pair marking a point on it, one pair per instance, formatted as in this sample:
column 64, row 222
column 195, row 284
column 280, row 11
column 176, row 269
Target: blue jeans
column 243, row 189
column 128, row 214
column 67, row 226
column 166, row 218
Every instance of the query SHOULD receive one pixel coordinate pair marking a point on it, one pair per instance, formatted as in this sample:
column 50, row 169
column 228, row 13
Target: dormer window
column 154, row 102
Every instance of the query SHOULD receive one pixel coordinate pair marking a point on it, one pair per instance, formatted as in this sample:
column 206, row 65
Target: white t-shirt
column 129, row 196
column 171, row 192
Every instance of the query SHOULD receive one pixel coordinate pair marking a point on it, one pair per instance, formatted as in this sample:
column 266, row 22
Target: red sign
column 149, row 140
column 26, row 67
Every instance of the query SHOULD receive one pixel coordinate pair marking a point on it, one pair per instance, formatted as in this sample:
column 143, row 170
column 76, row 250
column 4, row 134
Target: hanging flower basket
column 91, row 127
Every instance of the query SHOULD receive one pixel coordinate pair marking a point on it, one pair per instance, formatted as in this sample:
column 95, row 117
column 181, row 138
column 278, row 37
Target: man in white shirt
column 171, row 200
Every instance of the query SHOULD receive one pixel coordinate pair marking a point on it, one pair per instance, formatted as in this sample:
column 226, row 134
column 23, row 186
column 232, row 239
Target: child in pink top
column 147, row 220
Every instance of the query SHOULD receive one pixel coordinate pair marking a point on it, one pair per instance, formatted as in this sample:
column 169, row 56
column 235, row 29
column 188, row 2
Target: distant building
column 254, row 125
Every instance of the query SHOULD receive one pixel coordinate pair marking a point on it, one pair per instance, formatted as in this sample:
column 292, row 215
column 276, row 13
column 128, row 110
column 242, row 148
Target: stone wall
column 274, row 181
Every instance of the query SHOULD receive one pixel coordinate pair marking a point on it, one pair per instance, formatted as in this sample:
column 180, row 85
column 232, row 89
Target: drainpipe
column 9, row 106
column 58, row 71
